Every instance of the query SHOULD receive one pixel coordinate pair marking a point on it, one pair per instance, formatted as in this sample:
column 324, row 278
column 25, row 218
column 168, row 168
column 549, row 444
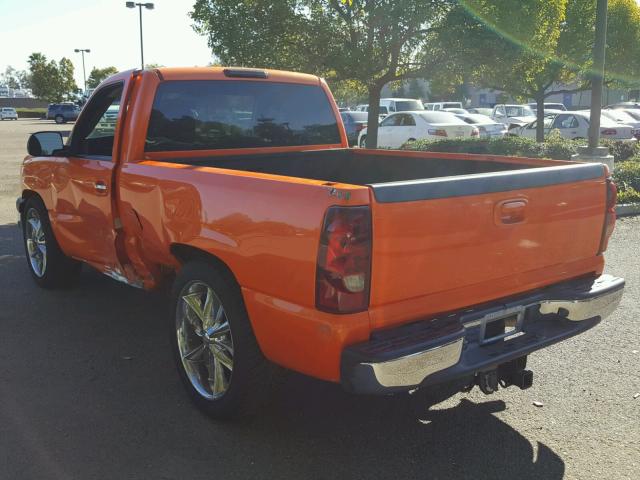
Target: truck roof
column 237, row 73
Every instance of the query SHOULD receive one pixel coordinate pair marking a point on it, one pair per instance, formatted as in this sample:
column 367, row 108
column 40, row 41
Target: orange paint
column 428, row 257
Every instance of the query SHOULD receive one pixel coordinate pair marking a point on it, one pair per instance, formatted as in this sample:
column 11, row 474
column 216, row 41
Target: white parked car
column 574, row 125
column 381, row 113
column 456, row 111
column 634, row 112
column 620, row 116
column 8, row 113
column 549, row 106
column 442, row 105
column 488, row 127
column 399, row 128
column 513, row 115
column 401, row 104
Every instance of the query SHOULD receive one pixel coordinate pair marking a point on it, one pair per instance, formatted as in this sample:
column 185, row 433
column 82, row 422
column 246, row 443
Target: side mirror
column 44, row 144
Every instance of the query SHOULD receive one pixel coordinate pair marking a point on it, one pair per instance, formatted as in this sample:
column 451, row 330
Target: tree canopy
column 50, row 80
column 372, row 42
column 97, row 75
column 536, row 48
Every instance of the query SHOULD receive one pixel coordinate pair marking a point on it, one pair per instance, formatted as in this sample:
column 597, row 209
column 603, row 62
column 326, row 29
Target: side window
column 501, row 111
column 391, row 121
column 345, row 118
column 95, row 129
column 436, row 106
column 565, row 121
column 408, row 121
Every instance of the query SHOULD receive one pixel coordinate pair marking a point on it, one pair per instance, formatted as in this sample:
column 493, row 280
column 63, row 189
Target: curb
column 627, row 209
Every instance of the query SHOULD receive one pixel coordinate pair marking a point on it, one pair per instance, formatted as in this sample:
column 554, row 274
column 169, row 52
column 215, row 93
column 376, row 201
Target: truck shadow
column 99, row 397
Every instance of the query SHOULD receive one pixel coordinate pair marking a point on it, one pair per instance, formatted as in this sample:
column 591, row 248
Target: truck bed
column 360, row 167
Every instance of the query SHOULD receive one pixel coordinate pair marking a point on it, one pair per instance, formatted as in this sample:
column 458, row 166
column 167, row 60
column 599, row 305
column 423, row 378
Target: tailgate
column 446, row 243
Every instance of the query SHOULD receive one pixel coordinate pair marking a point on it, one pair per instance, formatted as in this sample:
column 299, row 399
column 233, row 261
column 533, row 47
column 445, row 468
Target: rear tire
column 49, row 266
column 363, row 141
column 59, row 119
column 216, row 352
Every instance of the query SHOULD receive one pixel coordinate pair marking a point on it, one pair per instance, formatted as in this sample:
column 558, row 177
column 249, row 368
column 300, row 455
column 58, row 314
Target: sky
column 106, row 27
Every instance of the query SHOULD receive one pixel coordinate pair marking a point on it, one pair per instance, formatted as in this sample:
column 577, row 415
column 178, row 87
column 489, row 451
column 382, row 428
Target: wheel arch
column 26, row 196
column 186, row 253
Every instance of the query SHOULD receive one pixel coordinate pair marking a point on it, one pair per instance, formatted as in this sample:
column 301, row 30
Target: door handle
column 510, row 212
column 100, row 186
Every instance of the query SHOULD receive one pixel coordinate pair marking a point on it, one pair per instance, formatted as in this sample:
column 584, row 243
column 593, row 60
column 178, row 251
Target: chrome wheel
column 36, row 244
column 204, row 340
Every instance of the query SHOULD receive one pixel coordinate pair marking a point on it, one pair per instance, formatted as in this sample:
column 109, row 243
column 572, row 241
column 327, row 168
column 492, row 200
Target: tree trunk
column 540, row 117
column 374, row 115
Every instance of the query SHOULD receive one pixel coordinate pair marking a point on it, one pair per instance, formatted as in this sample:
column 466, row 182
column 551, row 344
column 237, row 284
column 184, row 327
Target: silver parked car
column 8, row 113
column 488, row 127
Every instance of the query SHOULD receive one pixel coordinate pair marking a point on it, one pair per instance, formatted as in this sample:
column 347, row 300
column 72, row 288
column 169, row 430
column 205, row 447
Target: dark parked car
column 353, row 123
column 63, row 112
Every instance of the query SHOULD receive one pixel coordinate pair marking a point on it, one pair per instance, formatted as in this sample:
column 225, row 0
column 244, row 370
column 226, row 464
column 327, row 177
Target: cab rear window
column 220, row 114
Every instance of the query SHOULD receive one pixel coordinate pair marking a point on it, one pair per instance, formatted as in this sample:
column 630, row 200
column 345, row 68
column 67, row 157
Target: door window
column 391, row 121
column 407, row 121
column 95, row 129
column 566, row 121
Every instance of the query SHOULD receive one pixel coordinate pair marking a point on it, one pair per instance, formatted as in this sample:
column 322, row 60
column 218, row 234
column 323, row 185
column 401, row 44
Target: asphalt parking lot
column 88, row 390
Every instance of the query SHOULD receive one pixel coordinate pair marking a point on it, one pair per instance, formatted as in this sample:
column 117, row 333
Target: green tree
column 415, row 90
column 50, row 80
column 373, row 42
column 347, row 92
column 10, row 77
column 97, row 75
column 528, row 48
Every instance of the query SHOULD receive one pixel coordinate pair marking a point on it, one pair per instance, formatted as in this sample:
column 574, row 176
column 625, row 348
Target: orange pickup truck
column 385, row 271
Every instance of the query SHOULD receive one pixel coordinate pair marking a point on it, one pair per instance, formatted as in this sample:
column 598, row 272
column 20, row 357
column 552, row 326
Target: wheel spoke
column 218, row 330
column 207, row 310
column 226, row 345
column 217, row 378
column 221, row 356
column 194, row 303
column 31, row 246
column 34, row 223
column 195, row 355
column 219, row 314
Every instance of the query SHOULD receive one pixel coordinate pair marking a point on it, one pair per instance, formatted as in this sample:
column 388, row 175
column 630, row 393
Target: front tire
column 363, row 141
column 49, row 266
column 59, row 119
column 217, row 355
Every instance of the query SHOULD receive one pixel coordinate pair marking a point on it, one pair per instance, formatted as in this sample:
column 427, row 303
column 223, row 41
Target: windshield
column 408, row 105
column 619, row 116
column 358, row 116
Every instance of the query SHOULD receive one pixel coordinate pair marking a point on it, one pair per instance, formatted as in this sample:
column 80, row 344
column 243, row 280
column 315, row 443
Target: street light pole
column 148, row 6
column 84, row 73
column 598, row 73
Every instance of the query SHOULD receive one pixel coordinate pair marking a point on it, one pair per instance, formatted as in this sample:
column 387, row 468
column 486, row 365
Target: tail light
column 438, row 132
column 475, row 132
column 609, row 131
column 609, row 216
column 343, row 272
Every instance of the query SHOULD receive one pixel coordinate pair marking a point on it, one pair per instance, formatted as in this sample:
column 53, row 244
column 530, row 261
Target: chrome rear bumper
column 456, row 345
